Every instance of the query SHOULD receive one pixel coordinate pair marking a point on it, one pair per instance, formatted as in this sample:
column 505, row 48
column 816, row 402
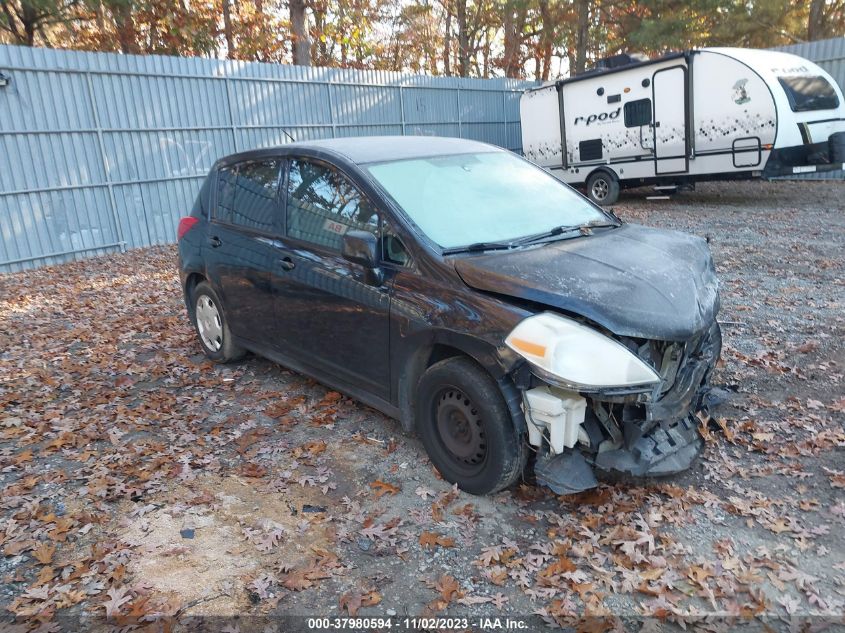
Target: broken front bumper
column 641, row 435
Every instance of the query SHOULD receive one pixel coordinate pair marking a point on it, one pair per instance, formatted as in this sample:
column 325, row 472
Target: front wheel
column 212, row 327
column 603, row 188
column 467, row 429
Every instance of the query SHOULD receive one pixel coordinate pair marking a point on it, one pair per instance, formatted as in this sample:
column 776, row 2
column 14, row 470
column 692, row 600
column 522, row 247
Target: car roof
column 361, row 150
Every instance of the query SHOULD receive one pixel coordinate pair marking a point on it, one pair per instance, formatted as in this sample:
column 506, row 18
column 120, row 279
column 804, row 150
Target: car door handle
column 287, row 263
column 215, row 241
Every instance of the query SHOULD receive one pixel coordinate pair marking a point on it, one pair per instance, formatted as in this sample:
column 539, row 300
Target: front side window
column 393, row 251
column 255, row 195
column 323, row 205
column 496, row 196
column 638, row 113
column 809, row 93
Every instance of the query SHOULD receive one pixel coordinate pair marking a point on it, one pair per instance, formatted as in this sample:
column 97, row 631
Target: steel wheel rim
column 209, row 323
column 460, row 428
column 600, row 189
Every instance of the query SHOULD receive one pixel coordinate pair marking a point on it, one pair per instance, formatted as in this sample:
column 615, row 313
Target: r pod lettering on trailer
column 604, row 116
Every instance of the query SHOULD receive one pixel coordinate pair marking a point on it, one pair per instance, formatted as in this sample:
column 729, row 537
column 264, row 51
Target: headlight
column 576, row 356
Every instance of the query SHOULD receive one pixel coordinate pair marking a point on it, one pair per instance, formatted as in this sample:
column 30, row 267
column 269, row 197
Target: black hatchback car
column 466, row 292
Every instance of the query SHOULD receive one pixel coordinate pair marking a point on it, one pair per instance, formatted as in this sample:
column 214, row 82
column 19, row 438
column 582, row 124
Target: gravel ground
column 141, row 482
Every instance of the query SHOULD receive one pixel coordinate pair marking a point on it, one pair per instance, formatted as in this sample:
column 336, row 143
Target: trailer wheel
column 603, row 187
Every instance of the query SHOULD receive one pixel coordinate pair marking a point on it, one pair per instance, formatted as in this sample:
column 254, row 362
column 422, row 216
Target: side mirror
column 360, row 247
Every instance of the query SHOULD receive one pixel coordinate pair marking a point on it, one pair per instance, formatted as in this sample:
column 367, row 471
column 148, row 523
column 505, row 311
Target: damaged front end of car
column 617, row 406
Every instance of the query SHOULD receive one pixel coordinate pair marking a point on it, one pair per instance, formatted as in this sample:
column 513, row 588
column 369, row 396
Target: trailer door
column 671, row 136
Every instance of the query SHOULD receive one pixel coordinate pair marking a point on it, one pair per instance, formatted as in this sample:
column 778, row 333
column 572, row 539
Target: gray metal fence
column 830, row 55
column 102, row 152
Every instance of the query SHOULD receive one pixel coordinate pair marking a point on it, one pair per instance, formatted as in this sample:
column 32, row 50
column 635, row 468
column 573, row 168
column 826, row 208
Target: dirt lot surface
column 141, row 482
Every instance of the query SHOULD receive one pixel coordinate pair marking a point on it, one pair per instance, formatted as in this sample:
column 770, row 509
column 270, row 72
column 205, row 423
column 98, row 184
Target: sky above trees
column 533, row 39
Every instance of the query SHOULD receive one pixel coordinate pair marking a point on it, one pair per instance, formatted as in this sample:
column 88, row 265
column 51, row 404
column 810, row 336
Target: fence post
column 458, row 97
column 505, row 120
column 231, row 114
column 402, row 108
column 331, row 109
column 102, row 146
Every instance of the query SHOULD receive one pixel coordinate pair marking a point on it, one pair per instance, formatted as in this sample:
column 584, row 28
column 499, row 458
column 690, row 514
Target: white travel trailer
column 710, row 114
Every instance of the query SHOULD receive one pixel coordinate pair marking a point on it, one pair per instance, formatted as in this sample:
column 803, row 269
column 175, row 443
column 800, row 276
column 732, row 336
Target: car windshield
column 493, row 197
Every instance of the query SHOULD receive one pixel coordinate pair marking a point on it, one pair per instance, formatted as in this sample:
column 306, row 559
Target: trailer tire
column 836, row 145
column 603, row 187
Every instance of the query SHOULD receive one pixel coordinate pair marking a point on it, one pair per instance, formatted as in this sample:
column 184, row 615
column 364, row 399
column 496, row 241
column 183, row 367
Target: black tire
column 836, row 145
column 466, row 427
column 226, row 351
column 603, row 187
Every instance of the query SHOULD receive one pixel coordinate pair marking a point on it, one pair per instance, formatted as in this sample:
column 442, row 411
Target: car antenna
column 292, row 140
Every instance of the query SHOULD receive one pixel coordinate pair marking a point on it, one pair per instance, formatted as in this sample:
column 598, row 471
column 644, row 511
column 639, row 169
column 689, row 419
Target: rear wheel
column 211, row 326
column 466, row 427
column 603, row 187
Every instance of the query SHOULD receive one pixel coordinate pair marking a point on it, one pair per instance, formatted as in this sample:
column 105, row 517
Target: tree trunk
column 463, row 39
column 547, row 60
column 11, row 22
column 124, row 21
column 815, row 21
column 447, row 44
column 487, row 53
column 29, row 19
column 582, row 36
column 300, row 44
column 546, row 38
column 320, row 48
column 227, row 30
column 514, row 24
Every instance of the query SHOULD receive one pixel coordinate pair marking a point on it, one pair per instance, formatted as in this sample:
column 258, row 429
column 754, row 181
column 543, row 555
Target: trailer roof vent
column 618, row 61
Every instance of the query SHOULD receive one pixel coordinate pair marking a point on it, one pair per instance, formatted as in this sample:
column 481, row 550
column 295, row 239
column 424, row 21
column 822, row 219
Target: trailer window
column 809, row 93
column 638, row 113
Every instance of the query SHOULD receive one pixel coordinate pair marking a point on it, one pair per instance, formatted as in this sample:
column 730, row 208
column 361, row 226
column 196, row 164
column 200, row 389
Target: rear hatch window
column 809, row 93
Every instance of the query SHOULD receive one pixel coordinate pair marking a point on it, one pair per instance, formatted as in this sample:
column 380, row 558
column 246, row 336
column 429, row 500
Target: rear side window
column 809, row 93
column 225, row 194
column 247, row 194
column 203, row 202
column 255, row 195
column 638, row 113
column 323, row 205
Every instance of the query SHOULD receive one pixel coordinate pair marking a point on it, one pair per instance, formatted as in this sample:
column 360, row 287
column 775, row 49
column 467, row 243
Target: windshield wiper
column 478, row 247
column 565, row 230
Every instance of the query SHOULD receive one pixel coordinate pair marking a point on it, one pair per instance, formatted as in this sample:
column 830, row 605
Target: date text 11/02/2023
column 417, row 624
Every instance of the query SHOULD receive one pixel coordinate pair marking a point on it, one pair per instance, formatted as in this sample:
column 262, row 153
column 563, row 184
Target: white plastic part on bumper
column 558, row 412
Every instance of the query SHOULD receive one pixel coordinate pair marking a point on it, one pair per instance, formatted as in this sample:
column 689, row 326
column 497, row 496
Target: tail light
column 185, row 225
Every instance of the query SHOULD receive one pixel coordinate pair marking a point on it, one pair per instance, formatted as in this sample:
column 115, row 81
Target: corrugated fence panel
column 830, row 55
column 100, row 152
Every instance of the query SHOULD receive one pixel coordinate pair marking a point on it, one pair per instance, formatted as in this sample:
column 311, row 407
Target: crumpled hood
column 633, row 280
